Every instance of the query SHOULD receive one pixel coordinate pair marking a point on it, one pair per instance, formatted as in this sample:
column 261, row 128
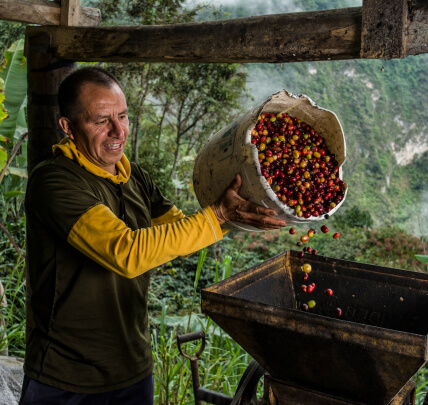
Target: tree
column 197, row 100
column 354, row 217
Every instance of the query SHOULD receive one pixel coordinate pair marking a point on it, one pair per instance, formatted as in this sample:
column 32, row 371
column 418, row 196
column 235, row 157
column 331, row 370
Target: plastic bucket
column 229, row 152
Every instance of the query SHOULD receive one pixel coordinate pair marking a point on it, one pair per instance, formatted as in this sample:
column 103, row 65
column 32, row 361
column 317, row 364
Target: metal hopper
column 365, row 356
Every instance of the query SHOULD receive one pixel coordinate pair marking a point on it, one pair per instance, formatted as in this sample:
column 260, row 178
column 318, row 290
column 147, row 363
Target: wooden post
column 70, row 12
column 44, row 74
column 383, row 33
column 45, row 12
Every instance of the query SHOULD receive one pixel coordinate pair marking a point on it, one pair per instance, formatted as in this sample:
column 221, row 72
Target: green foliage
column 392, row 247
column 12, row 267
column 10, row 32
column 354, row 217
column 13, row 127
column 422, row 258
column 14, row 75
column 421, row 380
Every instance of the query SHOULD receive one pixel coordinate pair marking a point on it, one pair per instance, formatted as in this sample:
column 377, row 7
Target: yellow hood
column 68, row 148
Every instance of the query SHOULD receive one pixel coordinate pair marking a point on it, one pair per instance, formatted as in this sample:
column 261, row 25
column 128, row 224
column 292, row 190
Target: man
column 95, row 225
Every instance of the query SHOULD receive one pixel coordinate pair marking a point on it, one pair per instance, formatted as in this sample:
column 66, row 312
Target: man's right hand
column 230, row 206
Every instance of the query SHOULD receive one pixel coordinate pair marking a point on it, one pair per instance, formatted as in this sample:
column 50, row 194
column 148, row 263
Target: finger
column 248, row 206
column 260, row 221
column 236, row 183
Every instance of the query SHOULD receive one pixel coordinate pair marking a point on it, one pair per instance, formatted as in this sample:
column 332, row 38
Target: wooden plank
column 308, row 36
column 383, row 33
column 43, row 12
column 70, row 12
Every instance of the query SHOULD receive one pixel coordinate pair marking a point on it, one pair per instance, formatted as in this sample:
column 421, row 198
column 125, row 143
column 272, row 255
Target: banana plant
column 13, row 99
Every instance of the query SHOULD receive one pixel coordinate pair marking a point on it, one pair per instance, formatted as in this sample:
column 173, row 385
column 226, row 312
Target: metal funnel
column 364, row 357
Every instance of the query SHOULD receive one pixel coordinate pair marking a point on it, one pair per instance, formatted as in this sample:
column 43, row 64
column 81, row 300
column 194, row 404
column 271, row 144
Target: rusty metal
column 193, row 359
column 247, row 387
column 278, row 393
column 366, row 356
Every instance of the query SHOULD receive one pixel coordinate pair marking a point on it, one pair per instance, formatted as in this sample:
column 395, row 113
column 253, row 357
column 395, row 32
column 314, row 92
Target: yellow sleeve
column 174, row 214
column 104, row 238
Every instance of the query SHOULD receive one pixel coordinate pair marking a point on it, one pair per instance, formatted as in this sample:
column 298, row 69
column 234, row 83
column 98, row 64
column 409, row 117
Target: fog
column 263, row 7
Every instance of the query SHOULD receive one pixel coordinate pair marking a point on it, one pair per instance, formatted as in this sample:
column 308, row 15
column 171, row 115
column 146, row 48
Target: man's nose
column 116, row 129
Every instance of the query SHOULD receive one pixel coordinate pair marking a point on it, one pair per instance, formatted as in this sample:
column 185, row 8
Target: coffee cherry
column 314, row 251
column 324, row 229
column 336, row 235
column 304, row 288
column 304, row 238
column 292, row 231
column 311, row 303
column 301, row 255
column 309, row 249
column 339, row 311
column 311, row 233
column 329, row 292
column 307, row 268
column 305, row 307
column 305, row 276
column 310, row 288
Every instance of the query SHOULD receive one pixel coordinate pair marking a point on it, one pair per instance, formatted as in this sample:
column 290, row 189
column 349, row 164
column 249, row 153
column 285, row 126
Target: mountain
column 382, row 106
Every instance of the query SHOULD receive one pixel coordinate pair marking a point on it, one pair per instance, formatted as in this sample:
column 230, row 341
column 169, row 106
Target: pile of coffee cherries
column 297, row 164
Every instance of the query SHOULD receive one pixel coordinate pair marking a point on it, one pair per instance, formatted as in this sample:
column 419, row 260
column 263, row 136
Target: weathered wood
column 70, row 12
column 322, row 35
column 43, row 12
column 309, row 36
column 383, row 33
column 44, row 74
column 417, row 28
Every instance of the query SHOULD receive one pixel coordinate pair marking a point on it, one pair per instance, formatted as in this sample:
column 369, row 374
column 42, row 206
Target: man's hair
column 69, row 89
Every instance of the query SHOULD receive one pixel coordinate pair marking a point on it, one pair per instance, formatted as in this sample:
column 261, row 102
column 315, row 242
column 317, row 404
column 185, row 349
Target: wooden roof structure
column 381, row 29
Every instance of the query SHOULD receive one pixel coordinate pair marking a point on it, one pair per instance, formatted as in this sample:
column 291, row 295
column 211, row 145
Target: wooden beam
column 322, row 35
column 43, row 12
column 384, row 29
column 308, row 36
column 70, row 12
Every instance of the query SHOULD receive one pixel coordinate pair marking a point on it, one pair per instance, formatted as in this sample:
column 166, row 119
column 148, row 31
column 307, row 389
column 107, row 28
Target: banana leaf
column 14, row 74
column 17, row 171
column 3, row 157
column 422, row 258
column 3, row 112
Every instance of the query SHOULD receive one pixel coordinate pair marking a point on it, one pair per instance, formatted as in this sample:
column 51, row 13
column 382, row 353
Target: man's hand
column 231, row 207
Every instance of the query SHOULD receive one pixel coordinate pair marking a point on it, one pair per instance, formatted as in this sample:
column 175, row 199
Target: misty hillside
column 382, row 106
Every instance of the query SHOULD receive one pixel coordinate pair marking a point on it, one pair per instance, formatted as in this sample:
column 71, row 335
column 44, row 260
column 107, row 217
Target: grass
column 12, row 329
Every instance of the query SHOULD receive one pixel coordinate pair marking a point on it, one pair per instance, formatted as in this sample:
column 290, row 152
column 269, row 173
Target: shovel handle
column 190, row 337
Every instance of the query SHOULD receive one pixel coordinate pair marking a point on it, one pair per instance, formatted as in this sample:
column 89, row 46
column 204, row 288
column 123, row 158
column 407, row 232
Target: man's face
column 101, row 129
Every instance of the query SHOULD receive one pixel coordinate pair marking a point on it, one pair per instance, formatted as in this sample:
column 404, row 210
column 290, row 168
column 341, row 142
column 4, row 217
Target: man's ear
column 66, row 126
